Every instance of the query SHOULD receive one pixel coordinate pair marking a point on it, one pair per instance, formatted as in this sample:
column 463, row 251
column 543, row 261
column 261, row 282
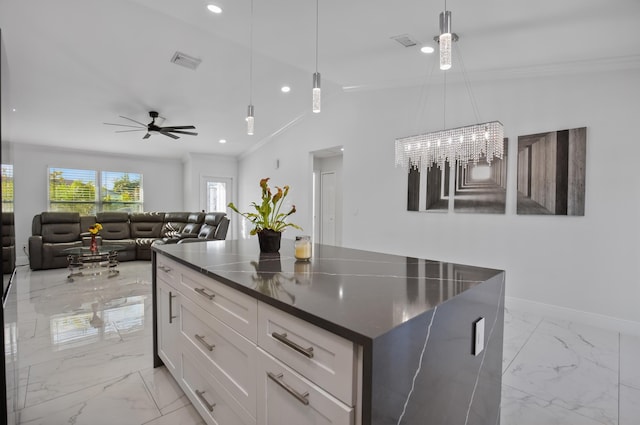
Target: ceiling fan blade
column 168, row 134
column 146, row 136
column 178, row 127
column 184, row 132
column 126, row 131
column 124, row 125
column 130, row 119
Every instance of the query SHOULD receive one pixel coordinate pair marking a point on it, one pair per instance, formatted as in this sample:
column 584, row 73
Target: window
column 7, row 188
column 90, row 191
column 121, row 191
column 216, row 196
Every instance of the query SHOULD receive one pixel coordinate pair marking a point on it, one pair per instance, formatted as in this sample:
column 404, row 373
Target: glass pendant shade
column 445, row 40
column 250, row 120
column 316, row 92
column 445, row 51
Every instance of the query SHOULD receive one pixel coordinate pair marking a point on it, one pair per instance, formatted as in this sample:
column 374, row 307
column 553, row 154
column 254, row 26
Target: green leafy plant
column 268, row 215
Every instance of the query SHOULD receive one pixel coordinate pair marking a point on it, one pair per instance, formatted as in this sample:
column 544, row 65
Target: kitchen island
column 349, row 337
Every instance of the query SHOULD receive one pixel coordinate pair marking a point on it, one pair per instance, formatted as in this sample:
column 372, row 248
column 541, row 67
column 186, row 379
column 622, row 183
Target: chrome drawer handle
column 208, row 405
column 171, row 316
column 203, row 342
column 302, row 398
column 202, row 292
column 165, row 269
column 286, row 341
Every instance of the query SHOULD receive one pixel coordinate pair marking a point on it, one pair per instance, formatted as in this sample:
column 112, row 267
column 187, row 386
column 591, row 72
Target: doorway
column 215, row 195
column 327, row 182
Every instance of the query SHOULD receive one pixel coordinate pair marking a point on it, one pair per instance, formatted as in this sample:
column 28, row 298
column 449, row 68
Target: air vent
column 185, row 60
column 405, row 39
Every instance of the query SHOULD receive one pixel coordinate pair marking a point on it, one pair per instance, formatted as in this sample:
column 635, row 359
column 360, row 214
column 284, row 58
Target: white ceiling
column 75, row 64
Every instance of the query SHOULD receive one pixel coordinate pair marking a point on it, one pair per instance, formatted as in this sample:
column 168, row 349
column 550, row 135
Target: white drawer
column 215, row 405
column 168, row 270
column 228, row 356
column 235, row 309
column 321, row 356
column 287, row 398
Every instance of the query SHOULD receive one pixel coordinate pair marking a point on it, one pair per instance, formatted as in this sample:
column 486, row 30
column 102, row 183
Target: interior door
column 328, row 206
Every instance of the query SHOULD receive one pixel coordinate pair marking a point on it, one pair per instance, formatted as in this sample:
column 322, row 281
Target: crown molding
column 612, row 64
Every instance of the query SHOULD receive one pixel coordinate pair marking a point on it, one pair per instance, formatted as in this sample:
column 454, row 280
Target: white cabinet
column 320, row 356
column 239, row 311
column 285, row 397
column 209, row 396
column 168, row 325
column 244, row 362
column 228, row 356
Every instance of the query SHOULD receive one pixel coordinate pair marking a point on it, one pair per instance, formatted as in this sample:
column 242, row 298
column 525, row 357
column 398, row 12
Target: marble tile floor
column 85, row 357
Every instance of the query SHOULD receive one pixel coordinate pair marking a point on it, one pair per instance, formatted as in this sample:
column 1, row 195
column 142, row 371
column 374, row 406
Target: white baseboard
column 22, row 260
column 615, row 324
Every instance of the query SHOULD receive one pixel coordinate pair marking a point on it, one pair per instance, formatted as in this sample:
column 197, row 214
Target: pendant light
column 445, row 40
column 250, row 118
column 461, row 145
column 316, row 75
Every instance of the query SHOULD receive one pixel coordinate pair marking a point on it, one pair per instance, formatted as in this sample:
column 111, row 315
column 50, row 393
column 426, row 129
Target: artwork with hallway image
column 482, row 187
column 435, row 182
column 551, row 172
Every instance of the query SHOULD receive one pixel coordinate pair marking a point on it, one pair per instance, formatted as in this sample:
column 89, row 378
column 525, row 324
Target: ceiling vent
column 185, row 60
column 405, row 39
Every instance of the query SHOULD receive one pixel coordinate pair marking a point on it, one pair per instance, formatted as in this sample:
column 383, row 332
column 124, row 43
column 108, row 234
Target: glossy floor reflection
column 85, row 355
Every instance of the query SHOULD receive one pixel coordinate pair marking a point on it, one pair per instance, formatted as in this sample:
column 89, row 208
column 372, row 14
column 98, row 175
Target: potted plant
column 268, row 221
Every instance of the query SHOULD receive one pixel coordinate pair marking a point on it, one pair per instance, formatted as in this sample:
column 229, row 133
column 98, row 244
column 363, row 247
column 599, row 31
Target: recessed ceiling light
column 215, row 9
column 427, row 49
column 222, row 141
column 285, row 89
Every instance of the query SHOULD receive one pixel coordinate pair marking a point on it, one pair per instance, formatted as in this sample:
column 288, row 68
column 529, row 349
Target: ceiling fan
column 152, row 127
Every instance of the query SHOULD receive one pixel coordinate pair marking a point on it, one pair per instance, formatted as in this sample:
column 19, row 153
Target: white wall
column 162, row 181
column 588, row 264
column 196, row 166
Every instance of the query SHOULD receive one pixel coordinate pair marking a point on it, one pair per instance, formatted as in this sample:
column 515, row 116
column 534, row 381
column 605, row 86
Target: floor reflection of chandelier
column 462, row 145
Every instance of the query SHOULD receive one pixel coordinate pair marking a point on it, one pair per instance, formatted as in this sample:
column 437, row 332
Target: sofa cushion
column 194, row 222
column 54, row 255
column 146, row 225
column 174, row 223
column 59, row 227
column 115, row 225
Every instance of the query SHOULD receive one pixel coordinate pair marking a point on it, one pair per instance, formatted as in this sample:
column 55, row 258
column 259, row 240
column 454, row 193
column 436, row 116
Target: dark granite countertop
column 357, row 294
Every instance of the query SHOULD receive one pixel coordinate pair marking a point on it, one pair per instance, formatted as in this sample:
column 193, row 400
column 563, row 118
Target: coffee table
column 84, row 262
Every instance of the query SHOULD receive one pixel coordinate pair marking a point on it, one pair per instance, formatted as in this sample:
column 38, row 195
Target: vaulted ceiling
column 75, row 64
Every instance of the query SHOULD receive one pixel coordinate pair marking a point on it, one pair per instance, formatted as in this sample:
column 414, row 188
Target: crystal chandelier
column 463, row 145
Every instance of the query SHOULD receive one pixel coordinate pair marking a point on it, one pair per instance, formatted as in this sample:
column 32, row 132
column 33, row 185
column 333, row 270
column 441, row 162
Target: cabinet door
column 322, row 357
column 228, row 356
column 168, row 326
column 285, row 397
column 208, row 395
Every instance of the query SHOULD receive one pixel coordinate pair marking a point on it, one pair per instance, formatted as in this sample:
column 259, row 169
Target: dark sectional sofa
column 53, row 232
